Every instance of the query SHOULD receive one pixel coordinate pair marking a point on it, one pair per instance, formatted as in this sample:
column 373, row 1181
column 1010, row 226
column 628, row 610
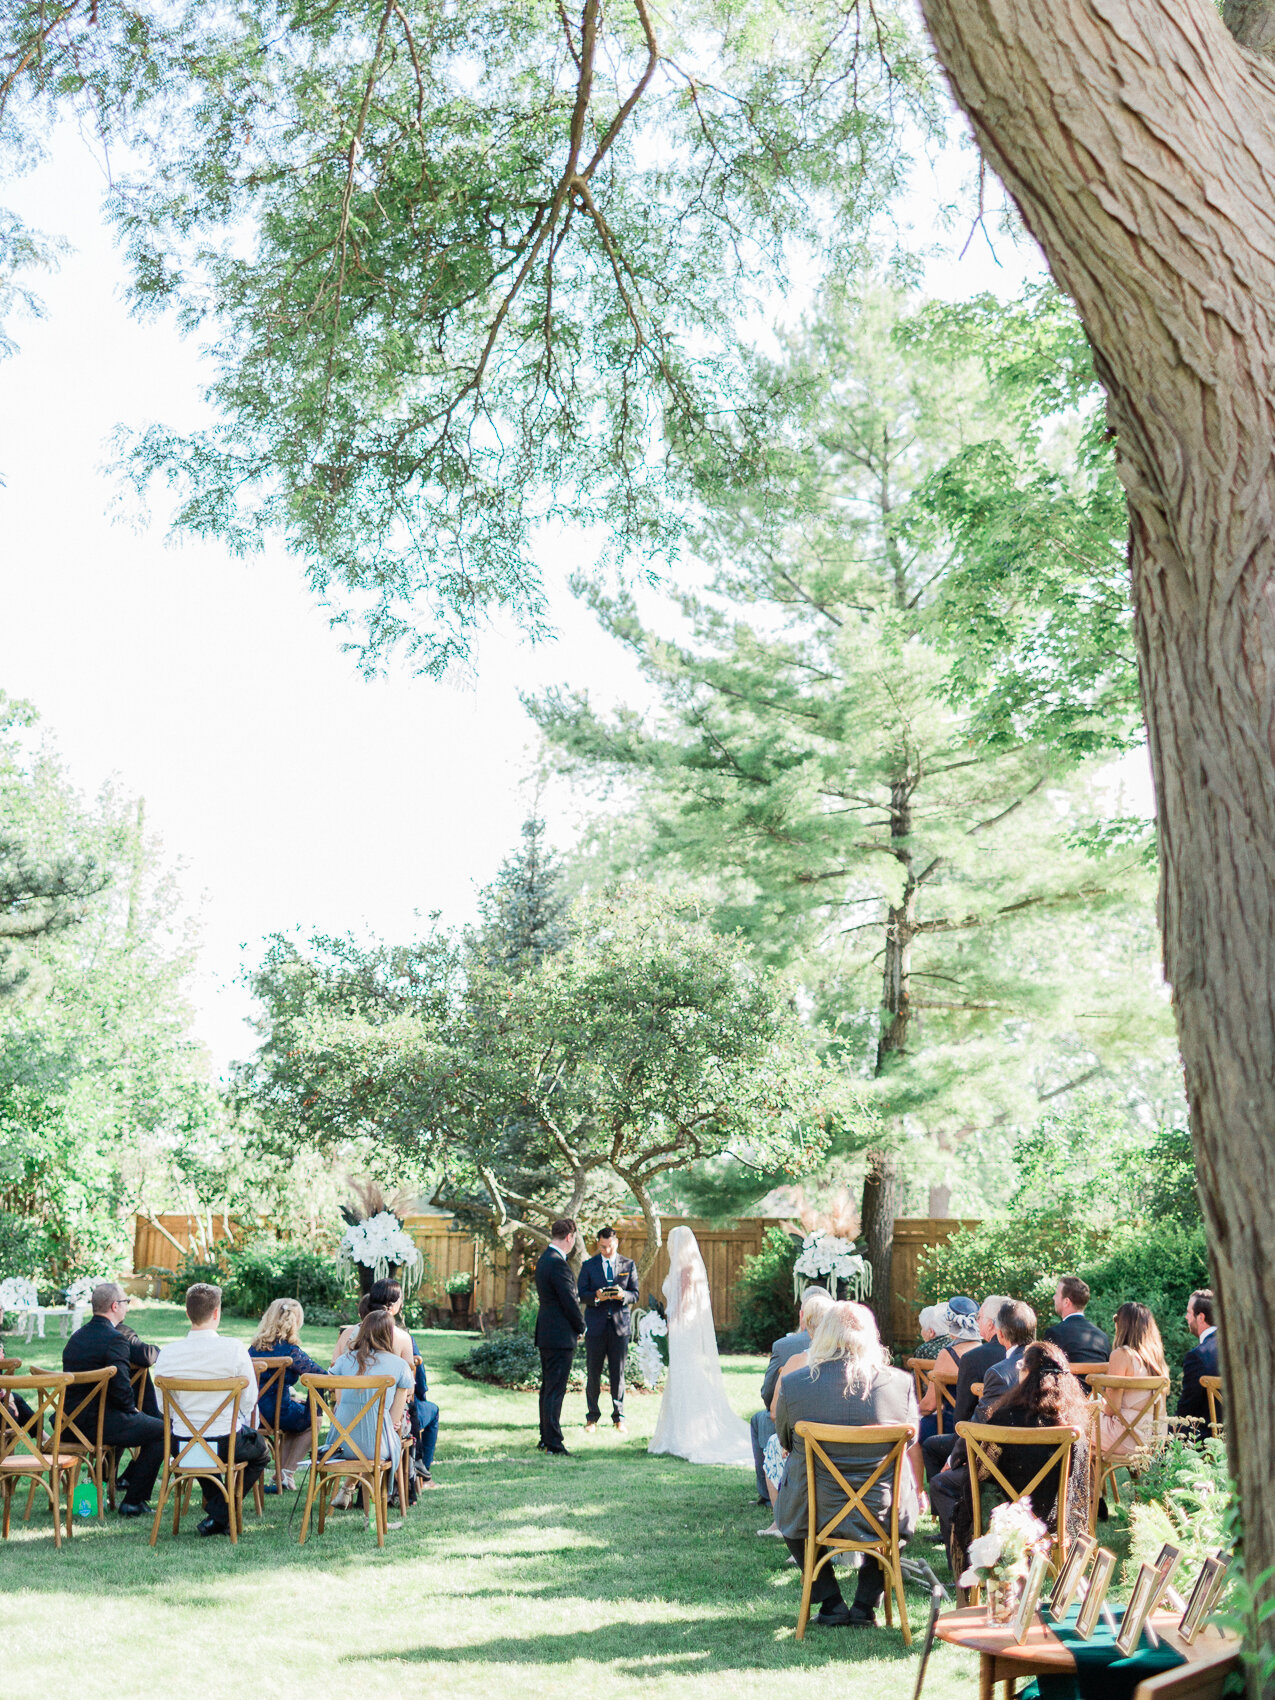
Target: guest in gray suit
column 814, row 1301
column 848, row 1381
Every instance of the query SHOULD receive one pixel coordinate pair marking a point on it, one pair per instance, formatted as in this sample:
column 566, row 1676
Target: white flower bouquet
column 380, row 1244
column 828, row 1258
column 80, row 1293
column 1005, row 1552
column 648, row 1358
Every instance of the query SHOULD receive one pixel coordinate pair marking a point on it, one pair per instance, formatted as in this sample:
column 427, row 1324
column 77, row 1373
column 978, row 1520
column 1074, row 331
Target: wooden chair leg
column 26, row 1515
column 896, row 1582
column 55, row 1483
column 807, row 1583
column 165, row 1485
column 259, row 1497
column 7, row 1490
column 309, row 1501
column 72, row 1484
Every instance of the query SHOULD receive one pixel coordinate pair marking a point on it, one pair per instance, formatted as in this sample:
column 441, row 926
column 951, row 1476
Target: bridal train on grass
column 695, row 1420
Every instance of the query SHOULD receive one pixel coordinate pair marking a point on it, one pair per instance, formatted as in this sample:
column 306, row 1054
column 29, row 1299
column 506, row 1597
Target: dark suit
column 559, row 1324
column 1080, row 1339
column 608, row 1327
column 99, row 1345
column 761, row 1425
column 971, row 1366
column 1200, row 1360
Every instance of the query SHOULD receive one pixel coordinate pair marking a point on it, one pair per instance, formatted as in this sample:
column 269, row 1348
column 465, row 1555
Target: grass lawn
column 520, row 1575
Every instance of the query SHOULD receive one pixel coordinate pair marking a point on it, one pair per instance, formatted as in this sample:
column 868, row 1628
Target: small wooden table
column 1002, row 1659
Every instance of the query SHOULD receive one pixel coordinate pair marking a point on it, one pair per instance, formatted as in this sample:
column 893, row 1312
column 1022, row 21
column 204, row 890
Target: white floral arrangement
column 380, row 1243
column 825, row 1256
column 1005, row 1551
column 79, row 1294
column 648, row 1358
column 17, row 1293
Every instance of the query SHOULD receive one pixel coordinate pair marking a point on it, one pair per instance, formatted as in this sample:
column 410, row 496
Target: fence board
column 153, row 1250
column 912, row 1236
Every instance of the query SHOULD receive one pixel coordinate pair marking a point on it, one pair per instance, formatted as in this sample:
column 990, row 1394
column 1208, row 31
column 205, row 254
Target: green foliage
column 507, row 1357
column 764, row 1305
column 272, row 1269
column 1182, row 1496
column 524, row 909
column 196, row 1267
column 460, row 1281
column 20, row 1244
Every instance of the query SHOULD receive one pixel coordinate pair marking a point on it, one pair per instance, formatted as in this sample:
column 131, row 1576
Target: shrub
column 764, row 1305
column 460, row 1281
column 1183, row 1497
column 275, row 1269
column 195, row 1267
column 510, row 1359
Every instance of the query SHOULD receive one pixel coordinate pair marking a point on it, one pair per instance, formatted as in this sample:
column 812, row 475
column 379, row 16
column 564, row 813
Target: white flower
column 984, row 1551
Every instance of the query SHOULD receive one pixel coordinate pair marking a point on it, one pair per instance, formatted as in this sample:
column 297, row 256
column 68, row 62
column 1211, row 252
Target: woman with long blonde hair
column 848, row 1380
column 279, row 1336
column 1138, row 1350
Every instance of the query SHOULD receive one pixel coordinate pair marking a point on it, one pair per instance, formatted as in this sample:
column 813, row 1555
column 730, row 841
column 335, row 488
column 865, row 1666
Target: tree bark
column 881, row 1190
column 1139, row 142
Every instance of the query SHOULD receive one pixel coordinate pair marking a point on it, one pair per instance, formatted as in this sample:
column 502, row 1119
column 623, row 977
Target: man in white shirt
column 206, row 1355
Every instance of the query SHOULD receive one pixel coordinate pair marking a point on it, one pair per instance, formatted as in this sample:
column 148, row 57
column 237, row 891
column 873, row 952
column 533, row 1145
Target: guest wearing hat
column 960, row 1323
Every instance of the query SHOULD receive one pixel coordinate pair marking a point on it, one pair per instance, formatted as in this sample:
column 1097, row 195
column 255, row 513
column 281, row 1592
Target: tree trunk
column 881, row 1189
column 1139, row 143
column 513, row 1281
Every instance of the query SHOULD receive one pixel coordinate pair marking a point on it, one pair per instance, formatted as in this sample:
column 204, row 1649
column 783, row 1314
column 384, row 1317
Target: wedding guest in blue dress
column 279, row 1336
column 372, row 1353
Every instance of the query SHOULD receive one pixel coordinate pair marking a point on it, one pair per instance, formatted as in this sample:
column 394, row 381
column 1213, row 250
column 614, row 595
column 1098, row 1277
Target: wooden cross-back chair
column 979, row 1437
column 83, row 1415
column 883, row 1544
column 10, row 1366
column 1212, row 1385
column 330, row 1463
column 193, row 1456
column 27, row 1454
column 920, row 1368
column 1143, row 1395
column 270, row 1374
column 944, row 1384
column 137, row 1378
column 1085, row 1372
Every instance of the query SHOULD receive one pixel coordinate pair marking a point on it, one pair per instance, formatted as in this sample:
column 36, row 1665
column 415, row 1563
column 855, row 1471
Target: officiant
column 608, row 1288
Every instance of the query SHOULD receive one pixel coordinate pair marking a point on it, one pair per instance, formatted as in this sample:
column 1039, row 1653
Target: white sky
column 292, row 792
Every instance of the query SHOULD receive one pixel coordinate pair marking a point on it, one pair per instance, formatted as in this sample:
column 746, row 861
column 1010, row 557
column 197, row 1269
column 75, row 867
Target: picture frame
column 1204, row 1596
column 1074, row 1566
column 1104, row 1564
column 1145, row 1594
column 1025, row 1614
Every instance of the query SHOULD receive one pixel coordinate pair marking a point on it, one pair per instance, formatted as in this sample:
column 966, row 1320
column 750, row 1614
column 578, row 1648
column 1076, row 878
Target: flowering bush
column 648, row 1358
column 826, row 1256
column 1005, row 1551
column 379, row 1244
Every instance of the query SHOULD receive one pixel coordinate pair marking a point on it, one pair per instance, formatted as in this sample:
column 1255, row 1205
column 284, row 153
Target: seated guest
column 372, row 1353
column 1015, row 1330
column 1138, row 1350
column 424, row 1413
column 106, row 1341
column 974, row 1365
column 1081, row 1340
column 817, row 1304
column 1201, row 1319
column 848, row 1380
column 934, row 1335
column 762, row 1424
column 961, row 1321
column 205, row 1355
column 1047, row 1395
column 279, row 1336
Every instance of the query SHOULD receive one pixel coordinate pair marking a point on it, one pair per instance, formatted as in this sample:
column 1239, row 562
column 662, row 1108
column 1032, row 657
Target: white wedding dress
column 695, row 1419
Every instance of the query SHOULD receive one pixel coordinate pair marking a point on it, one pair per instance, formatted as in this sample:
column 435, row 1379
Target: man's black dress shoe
column 127, row 1509
column 861, row 1618
column 557, row 1451
column 210, row 1526
column 834, row 1614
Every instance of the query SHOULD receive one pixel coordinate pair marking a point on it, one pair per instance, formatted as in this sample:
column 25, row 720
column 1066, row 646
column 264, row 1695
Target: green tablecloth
column 1102, row 1673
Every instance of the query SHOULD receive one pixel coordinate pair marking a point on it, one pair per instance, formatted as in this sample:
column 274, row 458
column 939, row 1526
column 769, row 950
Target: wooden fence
column 152, row 1249
column 450, row 1249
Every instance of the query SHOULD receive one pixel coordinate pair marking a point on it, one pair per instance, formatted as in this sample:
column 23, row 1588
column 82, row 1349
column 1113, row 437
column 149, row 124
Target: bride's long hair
column 848, row 1332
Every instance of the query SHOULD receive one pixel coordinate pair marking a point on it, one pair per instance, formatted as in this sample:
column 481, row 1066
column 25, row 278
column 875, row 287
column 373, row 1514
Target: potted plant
column 1001, row 1558
column 459, row 1287
column 375, row 1242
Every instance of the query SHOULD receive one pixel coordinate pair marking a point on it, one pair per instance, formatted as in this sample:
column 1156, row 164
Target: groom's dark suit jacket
column 615, row 1315
column 558, row 1322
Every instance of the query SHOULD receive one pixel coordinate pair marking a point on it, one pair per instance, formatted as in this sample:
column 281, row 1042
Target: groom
column 559, row 1325
column 608, row 1291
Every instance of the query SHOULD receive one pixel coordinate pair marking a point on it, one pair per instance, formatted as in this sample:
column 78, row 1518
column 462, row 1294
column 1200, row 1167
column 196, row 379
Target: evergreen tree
column 818, row 763
column 524, row 909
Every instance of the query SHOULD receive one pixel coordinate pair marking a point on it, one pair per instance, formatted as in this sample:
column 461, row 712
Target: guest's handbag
column 84, row 1504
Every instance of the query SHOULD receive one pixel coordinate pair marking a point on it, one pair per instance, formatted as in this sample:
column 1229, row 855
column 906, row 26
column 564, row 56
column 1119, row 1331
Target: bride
column 695, row 1419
